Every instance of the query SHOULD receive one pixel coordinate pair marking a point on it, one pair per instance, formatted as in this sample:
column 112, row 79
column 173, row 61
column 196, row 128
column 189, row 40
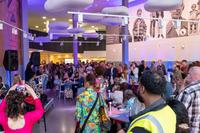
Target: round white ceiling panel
column 44, row 39
column 92, row 19
column 111, row 21
column 75, row 30
column 90, row 35
column 57, row 31
column 66, row 5
column 118, row 10
column 162, row 5
column 59, row 25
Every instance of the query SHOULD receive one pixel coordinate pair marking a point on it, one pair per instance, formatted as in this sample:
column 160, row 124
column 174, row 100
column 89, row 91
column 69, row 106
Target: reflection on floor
column 60, row 119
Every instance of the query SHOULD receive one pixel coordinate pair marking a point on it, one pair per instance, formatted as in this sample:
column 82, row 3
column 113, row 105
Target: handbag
column 81, row 129
column 105, row 122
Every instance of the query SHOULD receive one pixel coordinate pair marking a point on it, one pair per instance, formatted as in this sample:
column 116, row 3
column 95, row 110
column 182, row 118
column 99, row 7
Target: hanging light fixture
column 1, row 26
column 14, row 31
column 75, row 36
column 80, row 43
column 101, row 37
column 98, row 43
column 124, row 37
column 125, row 21
column 51, row 36
column 25, row 35
column 80, row 17
column 41, row 44
column 61, row 43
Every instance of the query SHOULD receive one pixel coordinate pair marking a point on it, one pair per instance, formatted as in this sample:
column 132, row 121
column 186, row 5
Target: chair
column 61, row 91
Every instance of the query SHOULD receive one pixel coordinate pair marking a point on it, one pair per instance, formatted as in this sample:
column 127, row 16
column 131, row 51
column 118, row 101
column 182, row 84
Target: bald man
column 190, row 97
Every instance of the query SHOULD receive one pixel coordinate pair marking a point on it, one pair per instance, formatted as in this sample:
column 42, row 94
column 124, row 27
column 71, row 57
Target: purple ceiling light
column 66, row 5
column 118, row 10
column 92, row 19
column 90, row 35
column 58, row 26
column 40, row 39
column 76, row 30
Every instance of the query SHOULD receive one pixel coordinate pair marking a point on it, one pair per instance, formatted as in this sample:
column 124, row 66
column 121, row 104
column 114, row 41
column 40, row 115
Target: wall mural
column 160, row 26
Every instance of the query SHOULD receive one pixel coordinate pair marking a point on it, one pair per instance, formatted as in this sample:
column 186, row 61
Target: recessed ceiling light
column 70, row 20
column 54, row 19
column 44, row 17
column 92, row 26
column 37, row 26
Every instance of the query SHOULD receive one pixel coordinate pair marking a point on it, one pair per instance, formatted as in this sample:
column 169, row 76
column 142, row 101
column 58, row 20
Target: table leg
column 45, row 124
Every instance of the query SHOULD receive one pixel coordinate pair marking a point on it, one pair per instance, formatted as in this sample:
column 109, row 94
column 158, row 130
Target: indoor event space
column 99, row 66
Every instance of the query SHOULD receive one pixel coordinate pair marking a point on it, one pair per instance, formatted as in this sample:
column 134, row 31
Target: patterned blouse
column 84, row 103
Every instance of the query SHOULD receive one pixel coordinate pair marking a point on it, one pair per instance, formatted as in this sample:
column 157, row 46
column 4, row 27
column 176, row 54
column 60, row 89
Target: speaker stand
column 10, row 78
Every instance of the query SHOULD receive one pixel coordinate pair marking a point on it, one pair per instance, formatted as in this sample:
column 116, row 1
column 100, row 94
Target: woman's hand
column 11, row 89
column 31, row 91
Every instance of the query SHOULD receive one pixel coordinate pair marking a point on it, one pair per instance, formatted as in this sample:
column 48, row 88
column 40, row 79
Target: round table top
column 120, row 115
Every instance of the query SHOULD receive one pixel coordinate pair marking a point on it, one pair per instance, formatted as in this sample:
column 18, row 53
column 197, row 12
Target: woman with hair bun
column 13, row 116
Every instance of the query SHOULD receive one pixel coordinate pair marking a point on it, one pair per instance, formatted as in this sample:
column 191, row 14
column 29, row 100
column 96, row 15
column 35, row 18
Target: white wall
column 94, row 54
column 165, row 49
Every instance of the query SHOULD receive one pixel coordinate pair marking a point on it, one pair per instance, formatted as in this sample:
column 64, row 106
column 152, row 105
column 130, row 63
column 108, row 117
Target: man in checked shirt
column 190, row 97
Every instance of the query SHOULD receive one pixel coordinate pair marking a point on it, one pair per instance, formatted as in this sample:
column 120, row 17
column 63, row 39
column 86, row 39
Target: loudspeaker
column 10, row 60
column 35, row 58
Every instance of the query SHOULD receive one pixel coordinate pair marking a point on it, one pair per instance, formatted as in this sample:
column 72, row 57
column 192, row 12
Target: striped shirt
column 190, row 97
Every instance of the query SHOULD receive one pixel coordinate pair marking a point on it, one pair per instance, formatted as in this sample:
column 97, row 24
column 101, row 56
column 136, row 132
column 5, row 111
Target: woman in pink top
column 12, row 113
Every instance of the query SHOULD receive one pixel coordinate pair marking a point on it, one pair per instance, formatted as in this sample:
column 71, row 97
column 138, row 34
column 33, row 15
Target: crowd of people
column 155, row 101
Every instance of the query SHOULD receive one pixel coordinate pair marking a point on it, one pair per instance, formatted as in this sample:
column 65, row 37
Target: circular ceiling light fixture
column 53, row 19
column 66, row 5
column 162, row 5
column 44, row 17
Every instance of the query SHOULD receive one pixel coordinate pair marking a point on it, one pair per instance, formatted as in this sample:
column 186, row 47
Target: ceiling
column 37, row 12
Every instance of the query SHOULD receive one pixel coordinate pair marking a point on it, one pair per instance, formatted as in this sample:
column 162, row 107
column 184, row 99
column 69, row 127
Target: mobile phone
column 21, row 86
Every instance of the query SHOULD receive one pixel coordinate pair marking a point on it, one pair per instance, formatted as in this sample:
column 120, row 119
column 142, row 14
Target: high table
column 49, row 104
column 119, row 115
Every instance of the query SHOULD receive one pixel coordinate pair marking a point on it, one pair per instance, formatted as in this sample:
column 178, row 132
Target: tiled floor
column 60, row 119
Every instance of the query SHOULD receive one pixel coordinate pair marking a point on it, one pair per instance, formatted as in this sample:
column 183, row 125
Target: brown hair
column 99, row 71
column 90, row 78
column 17, row 79
column 14, row 102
